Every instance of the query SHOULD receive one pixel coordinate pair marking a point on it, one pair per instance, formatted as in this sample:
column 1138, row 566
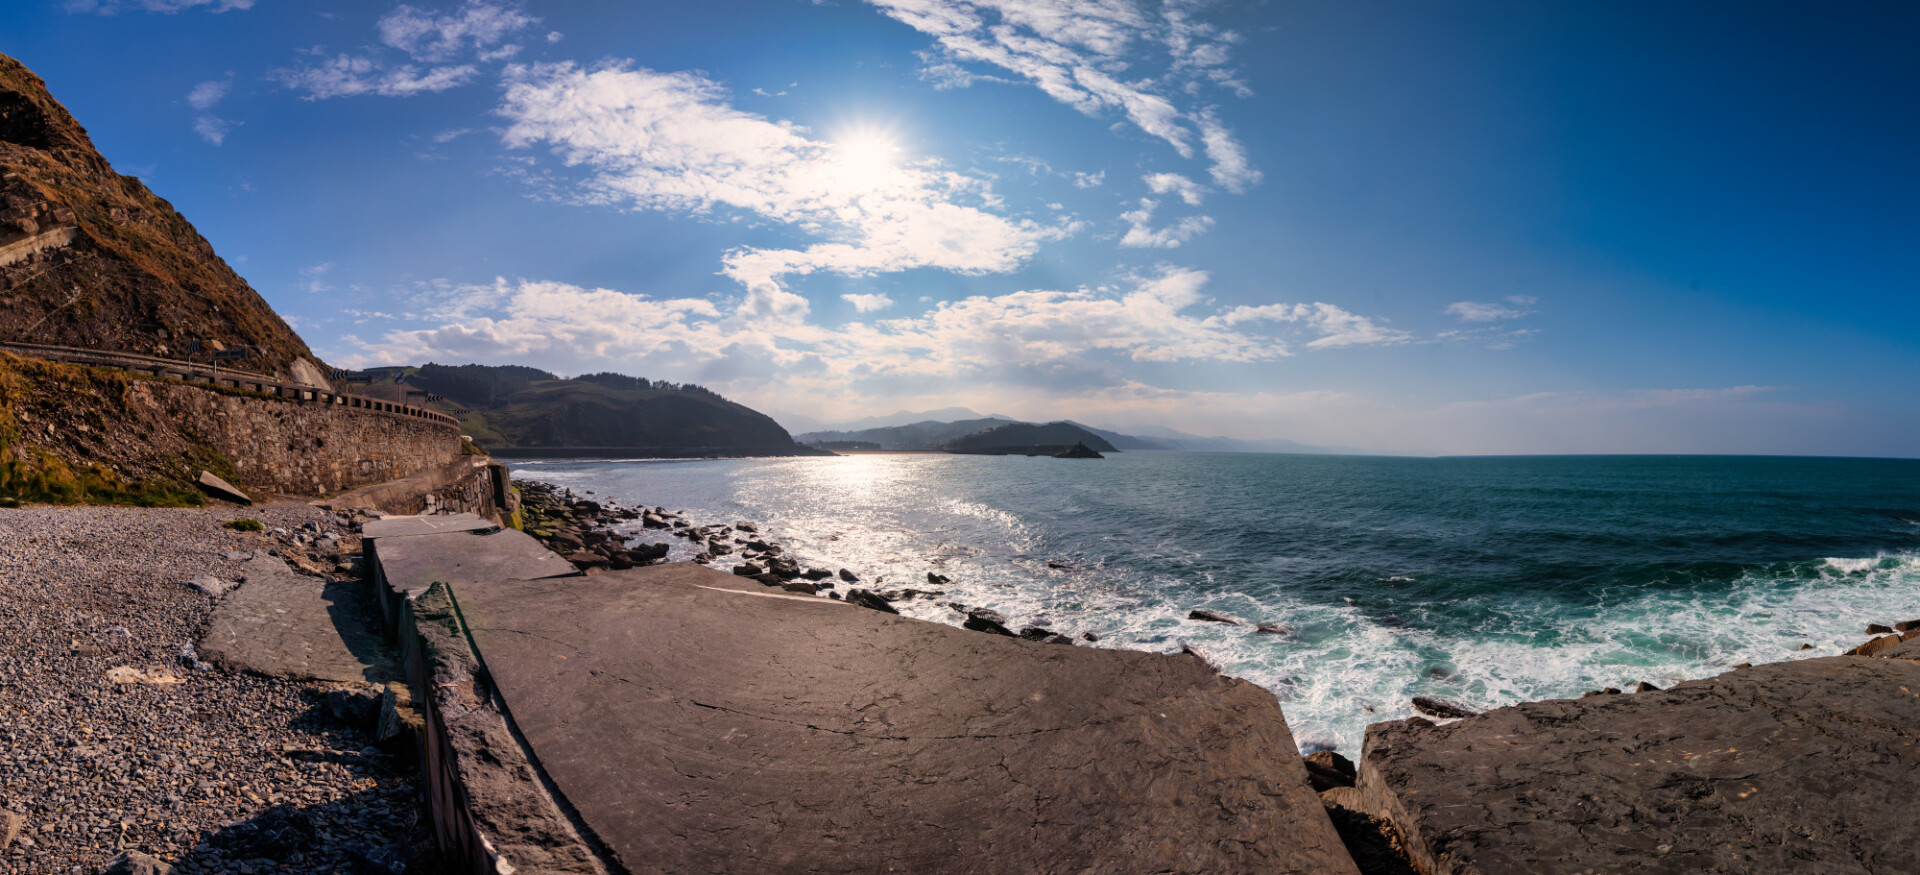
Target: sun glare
column 863, row 160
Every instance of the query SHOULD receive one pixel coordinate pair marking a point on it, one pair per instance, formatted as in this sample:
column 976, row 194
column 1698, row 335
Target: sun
column 864, row 159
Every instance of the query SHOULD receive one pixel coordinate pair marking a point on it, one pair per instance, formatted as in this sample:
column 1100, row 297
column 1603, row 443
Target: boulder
column 1443, row 709
column 1877, row 629
column 869, row 599
column 989, row 621
column 1906, row 626
column 1212, row 617
column 11, row 822
column 1644, row 687
column 221, row 489
column 1271, row 629
column 209, row 584
column 938, row 579
column 786, row 569
column 1326, row 770
column 816, row 574
column 849, row 576
column 1090, row 636
column 749, row 570
column 801, row 586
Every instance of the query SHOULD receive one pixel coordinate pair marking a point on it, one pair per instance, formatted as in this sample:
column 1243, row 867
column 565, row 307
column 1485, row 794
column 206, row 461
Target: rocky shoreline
column 115, row 737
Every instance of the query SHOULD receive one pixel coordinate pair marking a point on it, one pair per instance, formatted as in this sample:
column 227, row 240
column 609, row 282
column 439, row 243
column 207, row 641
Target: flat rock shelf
column 1804, row 766
column 698, row 722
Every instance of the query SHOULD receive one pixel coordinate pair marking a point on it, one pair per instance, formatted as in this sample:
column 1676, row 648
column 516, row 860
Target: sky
column 1423, row 228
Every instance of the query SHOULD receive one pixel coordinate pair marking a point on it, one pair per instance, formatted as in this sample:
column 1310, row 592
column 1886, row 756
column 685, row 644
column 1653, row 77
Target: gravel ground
column 210, row 771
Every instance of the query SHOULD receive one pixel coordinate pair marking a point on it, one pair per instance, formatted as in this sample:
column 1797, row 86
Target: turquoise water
column 1486, row 581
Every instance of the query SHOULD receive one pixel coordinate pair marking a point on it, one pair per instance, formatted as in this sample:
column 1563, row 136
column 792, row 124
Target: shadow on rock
column 357, row 834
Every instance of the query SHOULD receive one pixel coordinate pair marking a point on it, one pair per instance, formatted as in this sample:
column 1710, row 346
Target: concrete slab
column 396, row 526
column 700, row 725
column 405, row 565
column 1804, row 766
column 285, row 624
column 221, row 489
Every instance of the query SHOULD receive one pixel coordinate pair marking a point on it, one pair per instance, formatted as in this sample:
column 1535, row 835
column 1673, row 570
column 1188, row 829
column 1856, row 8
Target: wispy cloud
column 451, row 46
column 1512, row 307
column 1142, row 235
column 434, row 38
column 168, row 7
column 1174, row 183
column 1083, row 53
column 672, row 142
column 203, row 98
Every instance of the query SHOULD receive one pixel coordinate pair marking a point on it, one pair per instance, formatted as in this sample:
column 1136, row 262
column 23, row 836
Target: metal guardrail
column 196, row 374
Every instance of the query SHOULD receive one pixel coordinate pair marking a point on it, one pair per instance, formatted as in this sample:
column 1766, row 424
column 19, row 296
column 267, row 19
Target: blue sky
column 1424, row 228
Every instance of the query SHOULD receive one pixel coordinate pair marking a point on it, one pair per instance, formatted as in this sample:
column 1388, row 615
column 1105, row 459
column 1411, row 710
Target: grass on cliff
column 30, row 474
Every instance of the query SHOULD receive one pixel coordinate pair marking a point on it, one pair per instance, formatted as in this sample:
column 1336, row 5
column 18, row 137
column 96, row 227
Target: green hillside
column 512, row 407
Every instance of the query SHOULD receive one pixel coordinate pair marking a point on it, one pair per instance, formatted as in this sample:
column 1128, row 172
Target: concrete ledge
column 491, row 811
column 698, row 723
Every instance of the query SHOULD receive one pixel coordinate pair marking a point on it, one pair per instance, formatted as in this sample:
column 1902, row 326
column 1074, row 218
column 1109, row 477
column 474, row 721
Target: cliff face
column 92, row 259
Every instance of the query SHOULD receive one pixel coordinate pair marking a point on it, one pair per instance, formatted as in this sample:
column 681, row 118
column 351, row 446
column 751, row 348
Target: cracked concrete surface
column 1804, row 766
column 696, row 726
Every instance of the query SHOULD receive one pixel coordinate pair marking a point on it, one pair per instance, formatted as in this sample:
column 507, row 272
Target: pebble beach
column 112, row 739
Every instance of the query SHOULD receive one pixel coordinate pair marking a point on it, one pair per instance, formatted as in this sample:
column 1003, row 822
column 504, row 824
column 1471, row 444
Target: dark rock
column 1877, row 629
column 989, row 621
column 1443, row 709
column 801, row 586
column 1644, row 687
column 1806, row 647
column 353, row 707
column 1079, row 451
column 786, row 569
column 938, row 579
column 869, row 599
column 773, row 580
column 1327, row 770
column 1035, row 633
column 652, row 521
column 816, row 574
column 745, row 526
column 1796, row 766
column 1906, row 626
column 1090, row 636
column 849, row 576
column 585, row 559
column 1271, row 629
column 749, row 570
column 1212, row 617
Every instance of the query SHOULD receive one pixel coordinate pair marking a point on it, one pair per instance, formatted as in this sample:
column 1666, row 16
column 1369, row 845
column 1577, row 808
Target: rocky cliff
column 90, row 258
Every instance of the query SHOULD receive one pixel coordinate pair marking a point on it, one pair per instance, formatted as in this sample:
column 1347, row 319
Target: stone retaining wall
column 303, row 449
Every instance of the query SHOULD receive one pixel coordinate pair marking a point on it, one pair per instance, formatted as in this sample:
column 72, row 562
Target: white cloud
column 435, row 38
column 206, row 94
column 868, row 303
column 351, row 76
column 1142, row 235
column 1029, row 337
column 1336, row 326
column 168, row 7
column 1174, row 183
column 670, row 141
column 1089, row 180
column 203, row 98
column 1512, row 307
column 1078, row 51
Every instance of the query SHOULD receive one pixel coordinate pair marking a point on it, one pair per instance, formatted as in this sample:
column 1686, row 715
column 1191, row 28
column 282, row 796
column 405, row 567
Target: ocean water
column 1484, row 581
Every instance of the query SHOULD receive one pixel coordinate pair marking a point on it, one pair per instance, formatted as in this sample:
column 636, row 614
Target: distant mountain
column 1175, row 440
column 1027, row 437
column 93, row 259
column 1125, row 441
column 800, row 423
column 913, row 436
column 511, row 407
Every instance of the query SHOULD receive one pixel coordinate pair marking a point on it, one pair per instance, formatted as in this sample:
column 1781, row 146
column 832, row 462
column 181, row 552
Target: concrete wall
column 303, row 449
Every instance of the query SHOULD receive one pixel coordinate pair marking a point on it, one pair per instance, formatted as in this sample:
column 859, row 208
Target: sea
column 1484, row 581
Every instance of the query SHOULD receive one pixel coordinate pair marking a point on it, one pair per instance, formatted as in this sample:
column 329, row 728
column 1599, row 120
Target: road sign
column 223, row 354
